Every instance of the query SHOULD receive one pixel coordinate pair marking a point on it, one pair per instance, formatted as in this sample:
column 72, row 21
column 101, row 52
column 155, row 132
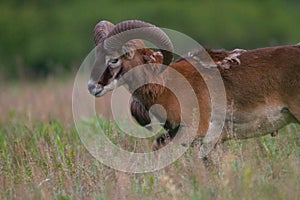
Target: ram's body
column 262, row 89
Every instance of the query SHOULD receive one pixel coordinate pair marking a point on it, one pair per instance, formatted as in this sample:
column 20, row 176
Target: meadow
column 41, row 154
column 42, row 157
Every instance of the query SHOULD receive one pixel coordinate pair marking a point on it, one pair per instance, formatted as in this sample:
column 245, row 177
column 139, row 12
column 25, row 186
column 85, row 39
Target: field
column 42, row 157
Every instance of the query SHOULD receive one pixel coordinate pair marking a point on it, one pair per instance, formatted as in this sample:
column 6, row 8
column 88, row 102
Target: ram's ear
column 153, row 57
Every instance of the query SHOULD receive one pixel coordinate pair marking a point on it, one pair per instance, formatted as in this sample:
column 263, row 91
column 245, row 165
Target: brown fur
column 266, row 79
column 267, row 73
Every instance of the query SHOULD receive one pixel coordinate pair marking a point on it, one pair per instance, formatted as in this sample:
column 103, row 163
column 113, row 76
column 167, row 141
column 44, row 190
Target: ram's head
column 119, row 48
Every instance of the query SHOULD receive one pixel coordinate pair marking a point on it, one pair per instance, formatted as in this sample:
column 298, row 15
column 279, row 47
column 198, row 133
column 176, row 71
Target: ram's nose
column 95, row 89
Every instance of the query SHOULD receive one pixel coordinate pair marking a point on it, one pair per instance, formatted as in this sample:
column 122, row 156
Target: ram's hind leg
column 294, row 108
column 214, row 158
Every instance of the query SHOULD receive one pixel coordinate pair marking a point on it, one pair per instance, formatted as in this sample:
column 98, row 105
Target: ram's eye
column 114, row 61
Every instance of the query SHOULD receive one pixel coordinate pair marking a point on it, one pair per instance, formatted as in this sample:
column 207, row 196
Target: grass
column 43, row 158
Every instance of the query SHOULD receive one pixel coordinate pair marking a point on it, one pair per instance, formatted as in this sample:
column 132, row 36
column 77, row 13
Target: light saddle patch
column 231, row 58
column 194, row 56
column 225, row 63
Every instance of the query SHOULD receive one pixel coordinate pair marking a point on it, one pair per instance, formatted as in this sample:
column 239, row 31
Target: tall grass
column 46, row 160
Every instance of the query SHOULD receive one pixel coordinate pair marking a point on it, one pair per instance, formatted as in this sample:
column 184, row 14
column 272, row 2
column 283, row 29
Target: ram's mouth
column 119, row 74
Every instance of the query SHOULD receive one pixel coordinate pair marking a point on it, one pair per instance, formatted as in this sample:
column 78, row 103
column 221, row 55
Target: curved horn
column 135, row 29
column 101, row 31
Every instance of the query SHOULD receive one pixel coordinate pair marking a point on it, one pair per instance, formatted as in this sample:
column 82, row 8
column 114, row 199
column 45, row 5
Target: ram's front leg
column 172, row 119
column 141, row 115
column 164, row 139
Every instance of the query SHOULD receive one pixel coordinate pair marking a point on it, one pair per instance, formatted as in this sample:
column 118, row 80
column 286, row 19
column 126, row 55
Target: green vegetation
column 48, row 161
column 43, row 37
column 42, row 157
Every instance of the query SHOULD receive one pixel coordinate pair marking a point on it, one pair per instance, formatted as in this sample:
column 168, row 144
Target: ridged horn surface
column 135, row 29
column 101, row 31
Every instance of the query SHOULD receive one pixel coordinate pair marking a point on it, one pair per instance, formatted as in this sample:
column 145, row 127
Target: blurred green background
column 48, row 37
